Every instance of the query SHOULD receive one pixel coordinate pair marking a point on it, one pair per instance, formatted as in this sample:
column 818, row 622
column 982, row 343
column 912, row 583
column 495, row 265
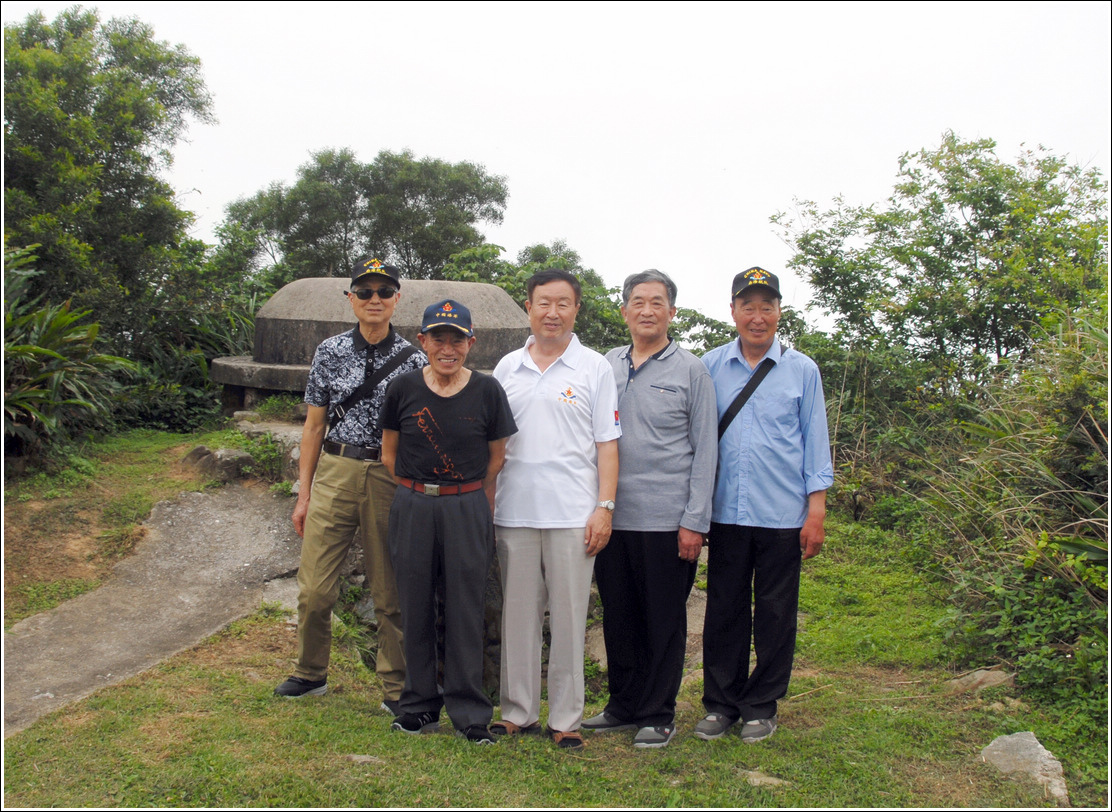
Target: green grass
column 868, row 722
column 231, row 743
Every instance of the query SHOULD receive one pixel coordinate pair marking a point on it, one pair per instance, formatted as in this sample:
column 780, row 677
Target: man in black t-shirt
column 444, row 440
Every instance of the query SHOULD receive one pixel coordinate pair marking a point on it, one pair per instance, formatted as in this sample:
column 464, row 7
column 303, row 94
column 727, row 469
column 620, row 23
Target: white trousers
column 543, row 569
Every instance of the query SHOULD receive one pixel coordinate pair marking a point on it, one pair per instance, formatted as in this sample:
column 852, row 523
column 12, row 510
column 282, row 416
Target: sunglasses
column 384, row 292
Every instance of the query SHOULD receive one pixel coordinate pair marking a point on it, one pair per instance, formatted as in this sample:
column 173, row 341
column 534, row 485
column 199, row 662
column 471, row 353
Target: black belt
column 355, row 452
column 440, row 490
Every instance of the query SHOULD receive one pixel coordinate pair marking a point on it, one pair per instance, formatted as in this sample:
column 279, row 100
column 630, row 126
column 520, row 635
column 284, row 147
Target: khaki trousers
column 347, row 494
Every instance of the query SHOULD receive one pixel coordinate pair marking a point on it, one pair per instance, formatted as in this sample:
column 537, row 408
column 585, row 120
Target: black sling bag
column 742, row 396
column 367, row 387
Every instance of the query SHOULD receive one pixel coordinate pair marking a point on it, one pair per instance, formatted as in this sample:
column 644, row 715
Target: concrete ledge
column 242, row 370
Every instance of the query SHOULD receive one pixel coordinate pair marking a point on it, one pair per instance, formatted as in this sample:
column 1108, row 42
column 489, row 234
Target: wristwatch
column 606, row 503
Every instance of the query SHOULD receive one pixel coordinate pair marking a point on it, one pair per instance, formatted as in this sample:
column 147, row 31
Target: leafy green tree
column 966, row 256
column 91, row 112
column 412, row 213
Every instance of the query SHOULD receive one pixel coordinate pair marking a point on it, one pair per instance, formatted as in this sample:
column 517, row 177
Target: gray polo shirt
column 669, row 445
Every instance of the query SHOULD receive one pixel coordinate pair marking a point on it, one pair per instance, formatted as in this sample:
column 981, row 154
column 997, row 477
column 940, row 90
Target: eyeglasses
column 384, row 292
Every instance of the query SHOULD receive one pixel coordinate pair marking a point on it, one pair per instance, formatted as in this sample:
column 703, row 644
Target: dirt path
column 203, row 564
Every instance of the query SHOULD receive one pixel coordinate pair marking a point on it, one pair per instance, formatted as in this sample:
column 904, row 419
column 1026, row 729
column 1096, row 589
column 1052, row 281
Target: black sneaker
column 392, row 706
column 425, row 722
column 477, row 734
column 296, row 686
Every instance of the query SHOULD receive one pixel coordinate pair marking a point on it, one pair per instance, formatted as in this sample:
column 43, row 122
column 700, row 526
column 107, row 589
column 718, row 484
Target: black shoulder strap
column 368, row 386
column 742, row 396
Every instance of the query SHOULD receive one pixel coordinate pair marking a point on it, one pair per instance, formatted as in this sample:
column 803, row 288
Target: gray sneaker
column 654, row 736
column 604, row 723
column 713, row 726
column 758, row 730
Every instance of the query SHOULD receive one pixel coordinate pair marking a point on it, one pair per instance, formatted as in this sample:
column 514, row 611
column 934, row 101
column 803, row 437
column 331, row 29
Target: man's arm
column 497, row 451
column 599, row 523
column 312, row 437
column 813, row 534
column 702, row 427
column 390, row 450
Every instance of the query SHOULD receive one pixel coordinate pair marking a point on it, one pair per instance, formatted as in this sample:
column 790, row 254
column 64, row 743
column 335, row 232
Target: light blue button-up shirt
column 777, row 449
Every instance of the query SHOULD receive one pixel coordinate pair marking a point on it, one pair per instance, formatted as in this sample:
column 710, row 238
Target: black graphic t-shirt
column 340, row 365
column 445, row 439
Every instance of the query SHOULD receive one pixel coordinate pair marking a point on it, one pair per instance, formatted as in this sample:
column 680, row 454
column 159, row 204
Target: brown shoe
column 570, row 740
column 504, row 727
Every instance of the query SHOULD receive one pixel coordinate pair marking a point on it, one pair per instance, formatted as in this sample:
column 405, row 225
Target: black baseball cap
column 755, row 276
column 368, row 266
column 447, row 313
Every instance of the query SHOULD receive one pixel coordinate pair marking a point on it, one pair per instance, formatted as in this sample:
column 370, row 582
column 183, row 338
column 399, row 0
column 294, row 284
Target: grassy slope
column 869, row 723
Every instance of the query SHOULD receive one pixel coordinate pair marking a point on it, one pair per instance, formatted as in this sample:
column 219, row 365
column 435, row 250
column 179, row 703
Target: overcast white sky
column 644, row 134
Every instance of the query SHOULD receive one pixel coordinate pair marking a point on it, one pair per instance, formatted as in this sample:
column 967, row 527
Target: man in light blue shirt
column 774, row 468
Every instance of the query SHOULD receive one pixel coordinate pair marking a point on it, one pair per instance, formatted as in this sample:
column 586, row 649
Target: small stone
column 1023, row 754
column 979, row 680
column 758, row 779
column 361, row 759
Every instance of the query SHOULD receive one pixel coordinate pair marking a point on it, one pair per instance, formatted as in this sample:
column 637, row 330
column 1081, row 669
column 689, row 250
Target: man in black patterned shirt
column 343, row 483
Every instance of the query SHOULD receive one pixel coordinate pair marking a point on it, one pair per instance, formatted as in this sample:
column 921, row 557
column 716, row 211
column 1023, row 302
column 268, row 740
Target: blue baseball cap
column 447, row 313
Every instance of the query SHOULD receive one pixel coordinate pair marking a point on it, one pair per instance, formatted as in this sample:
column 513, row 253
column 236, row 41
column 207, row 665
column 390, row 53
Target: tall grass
column 1019, row 519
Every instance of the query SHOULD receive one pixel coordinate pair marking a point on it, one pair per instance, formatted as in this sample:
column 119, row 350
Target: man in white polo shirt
column 555, row 497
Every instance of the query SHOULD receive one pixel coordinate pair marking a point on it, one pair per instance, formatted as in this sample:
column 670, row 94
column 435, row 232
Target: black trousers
column 450, row 540
column 752, row 597
column 644, row 584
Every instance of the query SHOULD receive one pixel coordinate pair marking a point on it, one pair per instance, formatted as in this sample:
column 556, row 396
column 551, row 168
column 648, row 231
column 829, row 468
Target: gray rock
column 979, row 680
column 1022, row 754
column 758, row 779
column 228, row 464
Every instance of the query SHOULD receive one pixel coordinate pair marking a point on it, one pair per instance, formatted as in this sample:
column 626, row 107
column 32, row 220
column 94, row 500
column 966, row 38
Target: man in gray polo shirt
column 668, row 452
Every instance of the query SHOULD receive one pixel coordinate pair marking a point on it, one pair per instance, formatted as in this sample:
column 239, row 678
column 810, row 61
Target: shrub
column 1021, row 515
column 55, row 382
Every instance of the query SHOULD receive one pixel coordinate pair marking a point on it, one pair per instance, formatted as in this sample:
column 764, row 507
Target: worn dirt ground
column 203, row 563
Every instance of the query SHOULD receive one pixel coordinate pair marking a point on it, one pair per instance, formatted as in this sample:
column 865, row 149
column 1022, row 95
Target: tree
column 966, row 256
column 91, row 112
column 412, row 213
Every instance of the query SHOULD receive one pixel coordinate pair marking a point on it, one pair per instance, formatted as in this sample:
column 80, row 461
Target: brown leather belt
column 355, row 452
column 440, row 490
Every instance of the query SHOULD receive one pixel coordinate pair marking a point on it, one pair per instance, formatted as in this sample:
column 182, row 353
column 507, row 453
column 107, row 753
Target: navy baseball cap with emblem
column 368, row 266
column 447, row 313
column 752, row 277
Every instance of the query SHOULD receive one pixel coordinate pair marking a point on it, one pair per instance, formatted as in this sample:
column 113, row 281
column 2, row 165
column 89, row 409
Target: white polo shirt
column 550, row 479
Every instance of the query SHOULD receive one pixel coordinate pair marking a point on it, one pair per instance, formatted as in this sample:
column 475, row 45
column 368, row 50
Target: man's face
column 375, row 311
column 552, row 310
column 648, row 312
column 446, row 348
column 756, row 314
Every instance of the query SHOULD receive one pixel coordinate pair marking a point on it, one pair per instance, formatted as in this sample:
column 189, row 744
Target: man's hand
column 299, row 512
column 598, row 531
column 812, row 536
column 691, row 544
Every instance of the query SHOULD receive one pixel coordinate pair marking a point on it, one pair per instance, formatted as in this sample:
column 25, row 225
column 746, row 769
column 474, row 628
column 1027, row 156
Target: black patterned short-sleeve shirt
column 340, row 365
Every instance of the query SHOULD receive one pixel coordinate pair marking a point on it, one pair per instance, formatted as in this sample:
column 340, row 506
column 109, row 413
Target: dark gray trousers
column 447, row 540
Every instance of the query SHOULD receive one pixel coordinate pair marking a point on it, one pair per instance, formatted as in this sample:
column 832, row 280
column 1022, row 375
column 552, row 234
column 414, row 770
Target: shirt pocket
column 780, row 416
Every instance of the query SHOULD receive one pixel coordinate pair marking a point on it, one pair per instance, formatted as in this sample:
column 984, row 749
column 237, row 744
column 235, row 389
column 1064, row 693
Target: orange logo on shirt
column 568, row 396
